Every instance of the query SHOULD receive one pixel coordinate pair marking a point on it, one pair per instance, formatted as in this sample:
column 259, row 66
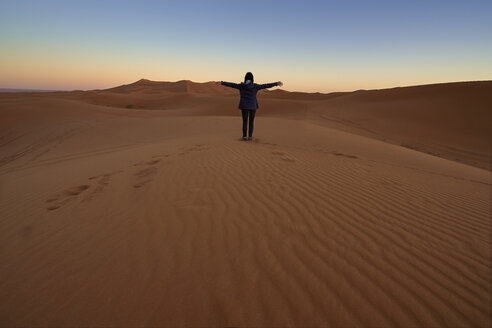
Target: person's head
column 249, row 76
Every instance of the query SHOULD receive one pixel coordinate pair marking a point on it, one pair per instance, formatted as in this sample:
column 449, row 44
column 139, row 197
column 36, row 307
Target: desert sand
column 139, row 206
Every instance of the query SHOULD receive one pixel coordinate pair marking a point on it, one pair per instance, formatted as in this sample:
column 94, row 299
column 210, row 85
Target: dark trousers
column 251, row 114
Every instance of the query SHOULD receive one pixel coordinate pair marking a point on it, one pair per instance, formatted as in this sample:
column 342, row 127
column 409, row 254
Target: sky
column 313, row 46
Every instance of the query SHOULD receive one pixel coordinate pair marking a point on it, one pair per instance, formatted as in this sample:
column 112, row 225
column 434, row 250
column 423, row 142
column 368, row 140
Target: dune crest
column 183, row 86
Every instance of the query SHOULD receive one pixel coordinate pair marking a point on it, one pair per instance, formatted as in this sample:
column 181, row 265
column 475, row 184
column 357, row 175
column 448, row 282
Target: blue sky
column 309, row 45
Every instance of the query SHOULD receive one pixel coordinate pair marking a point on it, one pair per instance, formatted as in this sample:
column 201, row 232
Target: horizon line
column 14, row 90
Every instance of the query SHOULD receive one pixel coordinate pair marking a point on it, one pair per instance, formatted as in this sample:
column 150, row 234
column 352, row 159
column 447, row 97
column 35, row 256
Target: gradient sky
column 310, row 45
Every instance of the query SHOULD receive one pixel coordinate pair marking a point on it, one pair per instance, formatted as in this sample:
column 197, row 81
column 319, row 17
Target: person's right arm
column 230, row 84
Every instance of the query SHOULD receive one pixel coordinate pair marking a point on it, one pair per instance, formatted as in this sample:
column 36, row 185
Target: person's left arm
column 269, row 85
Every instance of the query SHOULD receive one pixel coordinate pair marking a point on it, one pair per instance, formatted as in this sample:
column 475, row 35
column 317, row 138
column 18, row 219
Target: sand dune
column 149, row 87
column 114, row 216
column 449, row 120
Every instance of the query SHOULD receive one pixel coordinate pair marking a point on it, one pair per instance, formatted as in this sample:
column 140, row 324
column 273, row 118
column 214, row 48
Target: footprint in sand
column 197, row 147
column 65, row 196
column 269, row 144
column 283, row 156
column 146, row 175
column 343, row 155
column 102, row 181
column 151, row 162
column 71, row 193
column 146, row 172
column 74, row 191
column 161, row 156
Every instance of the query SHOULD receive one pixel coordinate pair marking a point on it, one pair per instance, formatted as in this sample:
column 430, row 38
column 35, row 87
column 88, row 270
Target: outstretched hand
column 279, row 83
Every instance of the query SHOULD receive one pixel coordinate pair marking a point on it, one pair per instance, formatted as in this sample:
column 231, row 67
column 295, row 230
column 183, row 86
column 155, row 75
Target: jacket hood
column 248, row 84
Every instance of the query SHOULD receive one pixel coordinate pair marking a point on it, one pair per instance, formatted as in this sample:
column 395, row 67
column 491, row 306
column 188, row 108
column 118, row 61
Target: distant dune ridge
column 139, row 206
column 147, row 86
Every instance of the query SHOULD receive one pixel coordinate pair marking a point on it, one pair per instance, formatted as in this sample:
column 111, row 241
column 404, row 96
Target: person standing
column 248, row 104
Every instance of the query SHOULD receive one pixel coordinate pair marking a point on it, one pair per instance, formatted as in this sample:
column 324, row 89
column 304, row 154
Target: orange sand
column 157, row 215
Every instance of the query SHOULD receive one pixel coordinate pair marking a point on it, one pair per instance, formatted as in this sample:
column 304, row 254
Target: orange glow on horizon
column 23, row 67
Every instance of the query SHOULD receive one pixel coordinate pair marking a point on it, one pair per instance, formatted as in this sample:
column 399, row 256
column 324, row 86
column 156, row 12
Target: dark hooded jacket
column 248, row 93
